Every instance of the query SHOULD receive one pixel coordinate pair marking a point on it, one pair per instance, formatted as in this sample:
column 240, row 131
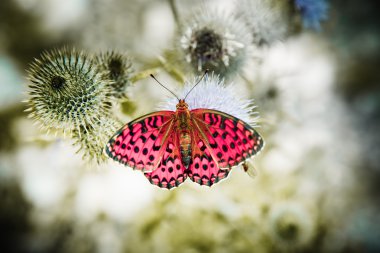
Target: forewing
column 140, row 144
column 170, row 170
column 230, row 140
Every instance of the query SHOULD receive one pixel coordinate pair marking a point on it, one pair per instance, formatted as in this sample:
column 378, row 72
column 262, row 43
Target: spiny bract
column 91, row 139
column 66, row 90
column 117, row 67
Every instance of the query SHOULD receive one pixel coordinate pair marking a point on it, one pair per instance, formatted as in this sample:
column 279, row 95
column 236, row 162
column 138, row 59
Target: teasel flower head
column 268, row 20
column 91, row 139
column 312, row 12
column 213, row 93
column 214, row 40
column 291, row 226
column 66, row 91
column 116, row 67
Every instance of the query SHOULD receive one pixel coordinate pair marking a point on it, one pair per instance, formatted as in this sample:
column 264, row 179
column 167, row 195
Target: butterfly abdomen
column 185, row 147
column 183, row 123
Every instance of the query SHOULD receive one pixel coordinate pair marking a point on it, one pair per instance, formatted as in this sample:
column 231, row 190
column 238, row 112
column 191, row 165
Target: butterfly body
column 171, row 146
column 183, row 128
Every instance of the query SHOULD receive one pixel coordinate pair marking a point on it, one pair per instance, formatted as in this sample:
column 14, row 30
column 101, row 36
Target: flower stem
column 143, row 74
column 173, row 7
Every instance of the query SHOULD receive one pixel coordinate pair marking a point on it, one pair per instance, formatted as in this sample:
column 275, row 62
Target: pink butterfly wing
column 223, row 141
column 140, row 144
column 151, row 144
column 170, row 171
column 203, row 169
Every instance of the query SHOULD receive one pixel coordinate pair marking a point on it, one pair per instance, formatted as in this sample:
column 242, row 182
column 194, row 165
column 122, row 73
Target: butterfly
column 170, row 146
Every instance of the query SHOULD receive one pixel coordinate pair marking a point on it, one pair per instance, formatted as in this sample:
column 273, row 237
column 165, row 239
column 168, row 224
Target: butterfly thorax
column 183, row 119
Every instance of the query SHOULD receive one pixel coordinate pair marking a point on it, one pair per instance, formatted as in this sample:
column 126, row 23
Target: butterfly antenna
column 152, row 76
column 206, row 71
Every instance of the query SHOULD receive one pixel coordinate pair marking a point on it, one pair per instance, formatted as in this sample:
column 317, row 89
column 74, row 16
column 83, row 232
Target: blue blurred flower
column 313, row 12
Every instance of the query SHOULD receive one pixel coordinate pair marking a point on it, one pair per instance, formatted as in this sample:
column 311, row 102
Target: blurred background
column 318, row 94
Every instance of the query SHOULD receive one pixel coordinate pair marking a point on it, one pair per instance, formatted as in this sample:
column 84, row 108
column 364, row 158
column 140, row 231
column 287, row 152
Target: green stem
column 143, row 74
column 173, row 7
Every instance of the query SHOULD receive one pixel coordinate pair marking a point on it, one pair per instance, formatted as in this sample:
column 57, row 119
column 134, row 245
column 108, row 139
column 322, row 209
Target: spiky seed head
column 213, row 93
column 91, row 139
column 214, row 40
column 117, row 67
column 66, row 91
column 291, row 225
column 268, row 20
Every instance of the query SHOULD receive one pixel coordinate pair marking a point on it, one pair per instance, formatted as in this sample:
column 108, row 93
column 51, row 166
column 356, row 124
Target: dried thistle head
column 66, row 91
column 268, row 20
column 117, row 68
column 91, row 139
column 214, row 40
column 291, row 226
column 213, row 93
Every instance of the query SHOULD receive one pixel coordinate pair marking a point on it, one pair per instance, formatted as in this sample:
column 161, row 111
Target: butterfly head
column 182, row 105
